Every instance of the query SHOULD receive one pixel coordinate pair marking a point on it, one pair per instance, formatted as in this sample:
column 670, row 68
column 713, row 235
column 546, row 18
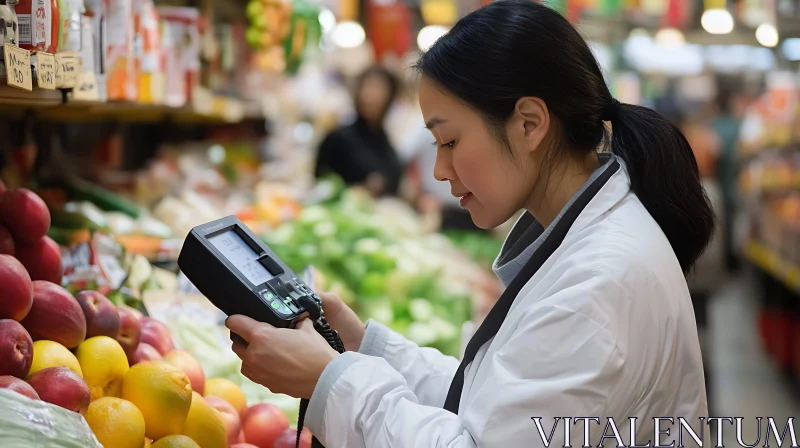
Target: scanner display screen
column 239, row 253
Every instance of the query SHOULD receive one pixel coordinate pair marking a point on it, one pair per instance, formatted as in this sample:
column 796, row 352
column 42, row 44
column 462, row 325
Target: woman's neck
column 559, row 185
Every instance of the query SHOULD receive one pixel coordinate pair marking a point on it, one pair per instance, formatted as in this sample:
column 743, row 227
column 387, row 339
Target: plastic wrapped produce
column 26, row 423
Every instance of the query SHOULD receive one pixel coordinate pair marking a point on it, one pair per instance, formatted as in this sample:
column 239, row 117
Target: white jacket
column 605, row 328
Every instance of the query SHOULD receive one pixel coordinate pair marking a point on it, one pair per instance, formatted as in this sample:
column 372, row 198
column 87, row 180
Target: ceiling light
column 348, row 35
column 429, row 35
column 717, row 21
column 767, row 35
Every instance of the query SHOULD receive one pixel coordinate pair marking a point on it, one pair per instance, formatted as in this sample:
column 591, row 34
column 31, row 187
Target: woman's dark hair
column 392, row 82
column 516, row 48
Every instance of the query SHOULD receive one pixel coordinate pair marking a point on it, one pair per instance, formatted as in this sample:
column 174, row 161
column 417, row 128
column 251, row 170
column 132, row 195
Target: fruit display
column 113, row 365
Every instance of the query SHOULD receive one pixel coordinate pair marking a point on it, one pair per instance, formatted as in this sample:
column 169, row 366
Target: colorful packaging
column 118, row 61
column 34, row 18
column 149, row 55
column 8, row 24
column 181, row 42
column 55, row 25
column 71, row 26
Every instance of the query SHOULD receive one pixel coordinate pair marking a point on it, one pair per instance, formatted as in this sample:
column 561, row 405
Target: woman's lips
column 462, row 200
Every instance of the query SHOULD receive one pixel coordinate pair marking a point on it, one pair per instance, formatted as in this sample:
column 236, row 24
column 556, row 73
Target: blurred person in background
column 361, row 153
column 709, row 271
column 726, row 124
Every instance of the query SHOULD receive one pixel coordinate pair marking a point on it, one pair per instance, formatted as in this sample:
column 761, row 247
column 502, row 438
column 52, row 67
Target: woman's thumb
column 307, row 326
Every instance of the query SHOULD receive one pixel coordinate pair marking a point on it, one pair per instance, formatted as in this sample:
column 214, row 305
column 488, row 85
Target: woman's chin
column 485, row 221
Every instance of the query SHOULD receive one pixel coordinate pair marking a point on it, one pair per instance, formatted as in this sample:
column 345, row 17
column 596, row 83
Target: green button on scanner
column 276, row 305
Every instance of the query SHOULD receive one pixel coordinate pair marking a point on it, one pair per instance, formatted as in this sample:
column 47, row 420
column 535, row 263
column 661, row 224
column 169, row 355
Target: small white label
column 24, row 27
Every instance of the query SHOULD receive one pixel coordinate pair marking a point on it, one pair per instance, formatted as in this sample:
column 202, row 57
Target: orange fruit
column 175, row 441
column 52, row 354
column 104, row 365
column 228, row 391
column 116, row 423
column 163, row 394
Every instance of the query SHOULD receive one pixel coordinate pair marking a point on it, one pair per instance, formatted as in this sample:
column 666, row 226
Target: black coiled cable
column 332, row 336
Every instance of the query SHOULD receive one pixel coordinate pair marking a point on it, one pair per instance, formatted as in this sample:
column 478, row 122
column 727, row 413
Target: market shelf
column 773, row 264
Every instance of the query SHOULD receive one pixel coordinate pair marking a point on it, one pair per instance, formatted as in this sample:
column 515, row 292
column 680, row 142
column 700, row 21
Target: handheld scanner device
column 240, row 274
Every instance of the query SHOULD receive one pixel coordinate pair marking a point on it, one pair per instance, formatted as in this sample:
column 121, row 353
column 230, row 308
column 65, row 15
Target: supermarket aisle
column 745, row 382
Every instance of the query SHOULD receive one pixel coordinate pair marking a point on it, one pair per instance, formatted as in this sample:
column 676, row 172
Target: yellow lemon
column 104, row 364
column 116, row 423
column 52, row 354
column 204, row 425
column 163, row 394
column 228, row 391
column 175, row 441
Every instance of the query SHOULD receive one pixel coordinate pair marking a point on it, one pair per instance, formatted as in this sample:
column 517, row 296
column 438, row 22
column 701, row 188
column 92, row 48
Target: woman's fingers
column 243, row 326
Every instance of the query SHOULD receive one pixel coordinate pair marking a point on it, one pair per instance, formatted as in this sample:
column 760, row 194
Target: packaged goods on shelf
column 119, row 64
column 10, row 23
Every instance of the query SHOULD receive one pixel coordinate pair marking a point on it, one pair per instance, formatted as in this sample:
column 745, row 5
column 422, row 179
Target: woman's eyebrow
column 433, row 122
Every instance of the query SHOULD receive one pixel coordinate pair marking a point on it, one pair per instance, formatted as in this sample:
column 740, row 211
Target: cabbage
column 26, row 423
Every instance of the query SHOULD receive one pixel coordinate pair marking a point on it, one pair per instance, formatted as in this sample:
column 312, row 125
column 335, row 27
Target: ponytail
column 664, row 176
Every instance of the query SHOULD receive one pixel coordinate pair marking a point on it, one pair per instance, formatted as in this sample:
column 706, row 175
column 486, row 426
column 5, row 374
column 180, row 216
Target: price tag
column 66, row 70
column 45, row 71
column 18, row 67
column 86, row 87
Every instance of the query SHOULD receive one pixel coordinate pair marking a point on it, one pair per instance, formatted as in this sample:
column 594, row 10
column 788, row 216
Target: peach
column 16, row 349
column 42, row 259
column 144, row 352
column 264, row 424
column 61, row 387
column 157, row 334
column 16, row 297
column 233, row 424
column 102, row 318
column 288, row 439
column 18, row 386
column 130, row 329
column 55, row 316
column 187, row 363
column 25, row 214
column 7, row 245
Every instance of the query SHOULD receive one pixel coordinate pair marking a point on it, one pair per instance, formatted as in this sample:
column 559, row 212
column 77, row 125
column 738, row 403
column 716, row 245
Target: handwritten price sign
column 18, row 67
column 66, row 70
column 86, row 87
column 46, row 71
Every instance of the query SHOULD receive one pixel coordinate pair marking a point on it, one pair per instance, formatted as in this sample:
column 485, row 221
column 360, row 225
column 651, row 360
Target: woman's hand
column 344, row 320
column 287, row 361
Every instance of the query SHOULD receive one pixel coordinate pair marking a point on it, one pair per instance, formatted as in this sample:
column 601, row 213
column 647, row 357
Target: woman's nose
column 443, row 168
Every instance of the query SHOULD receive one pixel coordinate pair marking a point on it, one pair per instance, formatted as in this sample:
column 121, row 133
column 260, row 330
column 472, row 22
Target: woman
column 361, row 152
column 596, row 319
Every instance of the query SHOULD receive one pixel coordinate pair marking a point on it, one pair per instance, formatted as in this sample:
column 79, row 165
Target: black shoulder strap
column 491, row 325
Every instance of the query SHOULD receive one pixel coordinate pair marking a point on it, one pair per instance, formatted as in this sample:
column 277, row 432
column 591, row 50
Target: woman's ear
column 531, row 122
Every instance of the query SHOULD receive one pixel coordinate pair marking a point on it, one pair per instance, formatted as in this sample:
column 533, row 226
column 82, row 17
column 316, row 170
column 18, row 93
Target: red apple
column 144, row 352
column 7, row 245
column 233, row 424
column 187, row 363
column 157, row 334
column 16, row 297
column 62, row 387
column 102, row 318
column 288, row 439
column 263, row 424
column 25, row 214
column 55, row 316
column 136, row 313
column 18, row 386
column 42, row 259
column 241, row 437
column 16, row 349
column 130, row 330
column 243, row 445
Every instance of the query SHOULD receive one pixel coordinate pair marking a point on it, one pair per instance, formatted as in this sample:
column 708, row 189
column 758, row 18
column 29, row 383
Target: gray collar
column 528, row 234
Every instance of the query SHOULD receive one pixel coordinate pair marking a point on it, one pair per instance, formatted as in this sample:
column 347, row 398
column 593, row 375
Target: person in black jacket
column 361, row 152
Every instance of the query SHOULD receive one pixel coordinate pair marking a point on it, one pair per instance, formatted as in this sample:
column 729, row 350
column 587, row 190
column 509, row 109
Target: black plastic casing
column 229, row 290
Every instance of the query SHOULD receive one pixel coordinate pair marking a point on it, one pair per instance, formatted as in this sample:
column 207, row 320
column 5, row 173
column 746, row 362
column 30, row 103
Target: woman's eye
column 449, row 145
